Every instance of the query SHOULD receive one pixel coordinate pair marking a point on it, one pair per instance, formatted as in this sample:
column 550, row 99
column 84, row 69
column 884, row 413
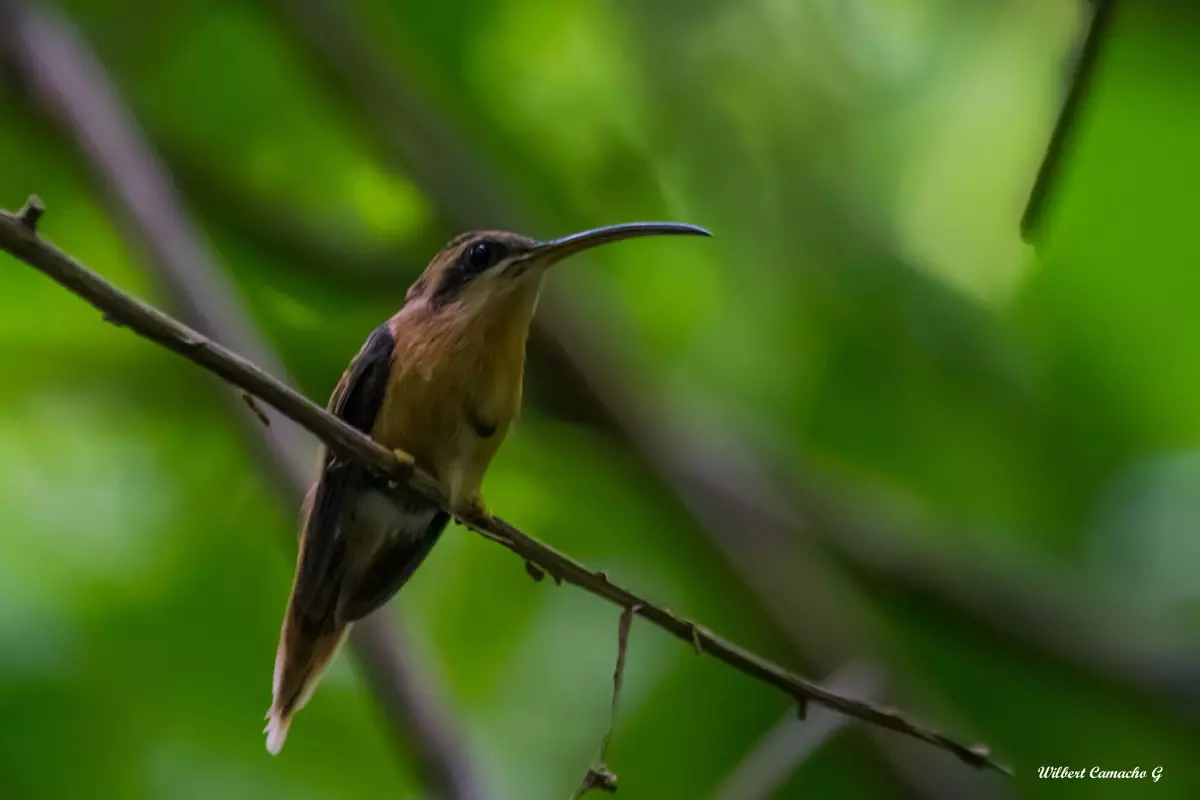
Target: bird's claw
column 406, row 465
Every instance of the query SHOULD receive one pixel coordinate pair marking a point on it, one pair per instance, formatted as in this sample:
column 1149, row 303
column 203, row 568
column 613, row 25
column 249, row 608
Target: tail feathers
column 299, row 664
column 276, row 730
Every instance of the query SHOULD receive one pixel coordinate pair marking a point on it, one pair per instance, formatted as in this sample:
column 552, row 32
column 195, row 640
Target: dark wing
column 357, row 400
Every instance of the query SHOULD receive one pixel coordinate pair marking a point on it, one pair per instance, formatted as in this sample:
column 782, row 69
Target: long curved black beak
column 556, row 250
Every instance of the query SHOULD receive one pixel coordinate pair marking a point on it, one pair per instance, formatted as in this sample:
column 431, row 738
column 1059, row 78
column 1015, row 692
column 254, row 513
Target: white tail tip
column 276, row 731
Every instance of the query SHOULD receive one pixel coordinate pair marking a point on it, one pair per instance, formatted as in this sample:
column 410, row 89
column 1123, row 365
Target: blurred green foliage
column 866, row 306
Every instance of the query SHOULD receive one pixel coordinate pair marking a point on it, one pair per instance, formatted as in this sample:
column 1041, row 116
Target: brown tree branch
column 66, row 83
column 21, row 241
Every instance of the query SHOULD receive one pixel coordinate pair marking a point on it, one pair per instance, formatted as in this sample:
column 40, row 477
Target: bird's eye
column 483, row 255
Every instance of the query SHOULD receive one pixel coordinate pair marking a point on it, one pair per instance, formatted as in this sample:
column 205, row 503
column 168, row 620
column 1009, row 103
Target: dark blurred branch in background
column 422, row 144
column 1045, row 615
column 768, row 521
column 19, row 238
column 65, row 81
column 290, row 237
column 1081, row 71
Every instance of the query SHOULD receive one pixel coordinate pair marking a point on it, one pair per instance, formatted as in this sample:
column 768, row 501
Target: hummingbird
column 439, row 384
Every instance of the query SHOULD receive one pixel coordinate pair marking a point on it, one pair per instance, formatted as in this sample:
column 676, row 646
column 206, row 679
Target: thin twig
column 252, row 404
column 67, row 84
column 618, row 674
column 599, row 776
column 31, row 212
column 347, row 442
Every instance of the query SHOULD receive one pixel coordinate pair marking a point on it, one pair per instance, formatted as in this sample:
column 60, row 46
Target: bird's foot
column 404, row 458
column 406, row 467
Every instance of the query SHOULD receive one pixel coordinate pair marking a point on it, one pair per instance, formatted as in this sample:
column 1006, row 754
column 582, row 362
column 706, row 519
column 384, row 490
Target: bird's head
column 475, row 270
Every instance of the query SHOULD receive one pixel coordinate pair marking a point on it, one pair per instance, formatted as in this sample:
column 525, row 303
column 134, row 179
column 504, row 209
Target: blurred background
column 894, row 426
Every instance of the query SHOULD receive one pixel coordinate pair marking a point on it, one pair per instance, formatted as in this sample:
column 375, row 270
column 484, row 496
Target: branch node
column 599, row 776
column 31, row 212
column 535, row 572
column 980, row 755
column 256, row 408
column 801, row 708
column 697, row 645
